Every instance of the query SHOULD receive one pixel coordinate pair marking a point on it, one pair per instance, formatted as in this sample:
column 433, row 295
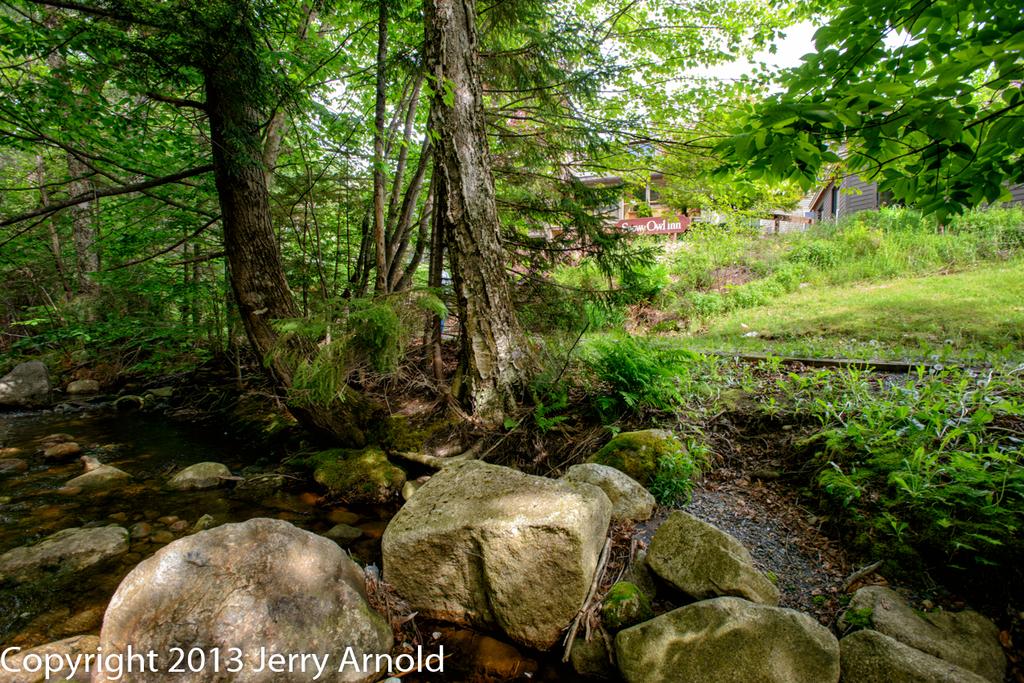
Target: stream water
column 35, row 503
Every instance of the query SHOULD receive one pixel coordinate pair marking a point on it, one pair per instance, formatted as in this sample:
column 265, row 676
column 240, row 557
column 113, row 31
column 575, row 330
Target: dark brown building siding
column 1017, row 192
column 856, row 195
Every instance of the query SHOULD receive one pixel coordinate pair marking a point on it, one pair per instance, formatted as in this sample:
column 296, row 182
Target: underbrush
column 923, row 471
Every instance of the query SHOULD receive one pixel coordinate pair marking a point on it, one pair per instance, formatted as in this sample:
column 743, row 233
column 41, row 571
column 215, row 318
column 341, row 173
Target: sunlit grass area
column 972, row 314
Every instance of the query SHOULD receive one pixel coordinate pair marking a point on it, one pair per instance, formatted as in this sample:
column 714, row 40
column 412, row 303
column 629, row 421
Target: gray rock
column 98, row 476
column 630, row 500
column 591, row 658
column 966, row 639
column 83, row 386
column 68, row 648
column 10, row 466
column 263, row 583
column 161, row 392
column 202, row 475
column 343, row 533
column 69, row 550
column 705, row 562
column 639, row 574
column 409, row 488
column 726, row 640
column 490, row 546
column 203, row 523
column 62, row 451
column 869, row 657
column 26, row 386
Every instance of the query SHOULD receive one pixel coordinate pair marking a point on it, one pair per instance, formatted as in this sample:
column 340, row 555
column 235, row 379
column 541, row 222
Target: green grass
column 973, row 314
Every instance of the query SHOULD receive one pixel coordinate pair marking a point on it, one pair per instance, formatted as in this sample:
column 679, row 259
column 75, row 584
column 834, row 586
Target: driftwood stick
column 601, row 563
column 438, row 462
column 860, row 574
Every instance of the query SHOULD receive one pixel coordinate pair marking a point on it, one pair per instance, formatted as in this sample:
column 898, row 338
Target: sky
column 799, row 41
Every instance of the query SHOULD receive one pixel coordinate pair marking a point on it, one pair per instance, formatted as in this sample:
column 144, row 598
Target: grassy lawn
column 975, row 314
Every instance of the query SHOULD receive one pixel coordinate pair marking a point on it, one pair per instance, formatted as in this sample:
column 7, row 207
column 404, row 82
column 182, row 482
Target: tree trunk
column 257, row 276
column 51, row 225
column 495, row 353
column 83, row 228
column 379, row 227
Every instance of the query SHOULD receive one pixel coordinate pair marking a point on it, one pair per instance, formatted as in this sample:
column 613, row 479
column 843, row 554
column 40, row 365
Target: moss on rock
column 638, row 453
column 625, row 605
column 363, row 476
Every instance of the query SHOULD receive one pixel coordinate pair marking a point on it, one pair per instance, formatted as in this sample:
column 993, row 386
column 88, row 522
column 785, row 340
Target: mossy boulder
column 727, row 640
column 870, row 657
column 638, row 453
column 966, row 639
column 705, row 562
column 625, row 605
column 359, row 476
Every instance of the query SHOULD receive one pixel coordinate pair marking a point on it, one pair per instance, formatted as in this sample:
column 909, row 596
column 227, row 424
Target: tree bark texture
column 495, row 353
column 379, row 226
column 257, row 275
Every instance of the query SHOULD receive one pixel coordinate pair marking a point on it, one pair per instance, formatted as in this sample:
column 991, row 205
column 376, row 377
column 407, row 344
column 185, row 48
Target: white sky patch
column 799, row 41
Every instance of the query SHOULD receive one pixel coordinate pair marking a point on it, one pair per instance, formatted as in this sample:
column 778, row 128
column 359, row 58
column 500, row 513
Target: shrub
column 377, row 336
column 673, row 480
column 919, row 464
column 637, row 374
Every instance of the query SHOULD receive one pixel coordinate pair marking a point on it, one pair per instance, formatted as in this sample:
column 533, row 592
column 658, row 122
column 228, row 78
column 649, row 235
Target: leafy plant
column 638, row 374
column 673, row 479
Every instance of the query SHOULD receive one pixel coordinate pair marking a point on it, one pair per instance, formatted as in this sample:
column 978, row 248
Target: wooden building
column 844, row 196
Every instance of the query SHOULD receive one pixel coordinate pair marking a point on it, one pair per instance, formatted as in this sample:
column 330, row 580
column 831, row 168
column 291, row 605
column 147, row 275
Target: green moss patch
column 356, row 475
column 638, row 453
column 625, row 605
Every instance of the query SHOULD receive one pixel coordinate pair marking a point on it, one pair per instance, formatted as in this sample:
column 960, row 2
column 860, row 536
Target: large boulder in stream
column 965, row 639
column 26, row 386
column 705, row 562
column 70, row 550
column 726, row 640
column 260, row 584
column 492, row 547
column 202, row 475
column 98, row 477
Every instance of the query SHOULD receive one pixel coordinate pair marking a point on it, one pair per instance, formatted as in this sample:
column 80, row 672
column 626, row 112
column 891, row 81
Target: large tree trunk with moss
column 257, row 276
column 495, row 354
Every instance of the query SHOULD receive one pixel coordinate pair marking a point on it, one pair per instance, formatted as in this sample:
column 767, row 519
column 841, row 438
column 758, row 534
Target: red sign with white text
column 655, row 226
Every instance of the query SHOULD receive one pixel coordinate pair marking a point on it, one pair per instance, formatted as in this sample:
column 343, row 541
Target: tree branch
column 177, row 101
column 107, row 192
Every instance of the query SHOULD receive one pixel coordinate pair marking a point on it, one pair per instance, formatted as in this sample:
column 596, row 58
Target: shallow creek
column 150, row 447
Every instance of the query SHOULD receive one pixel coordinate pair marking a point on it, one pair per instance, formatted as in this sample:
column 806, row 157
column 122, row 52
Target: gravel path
column 781, row 537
